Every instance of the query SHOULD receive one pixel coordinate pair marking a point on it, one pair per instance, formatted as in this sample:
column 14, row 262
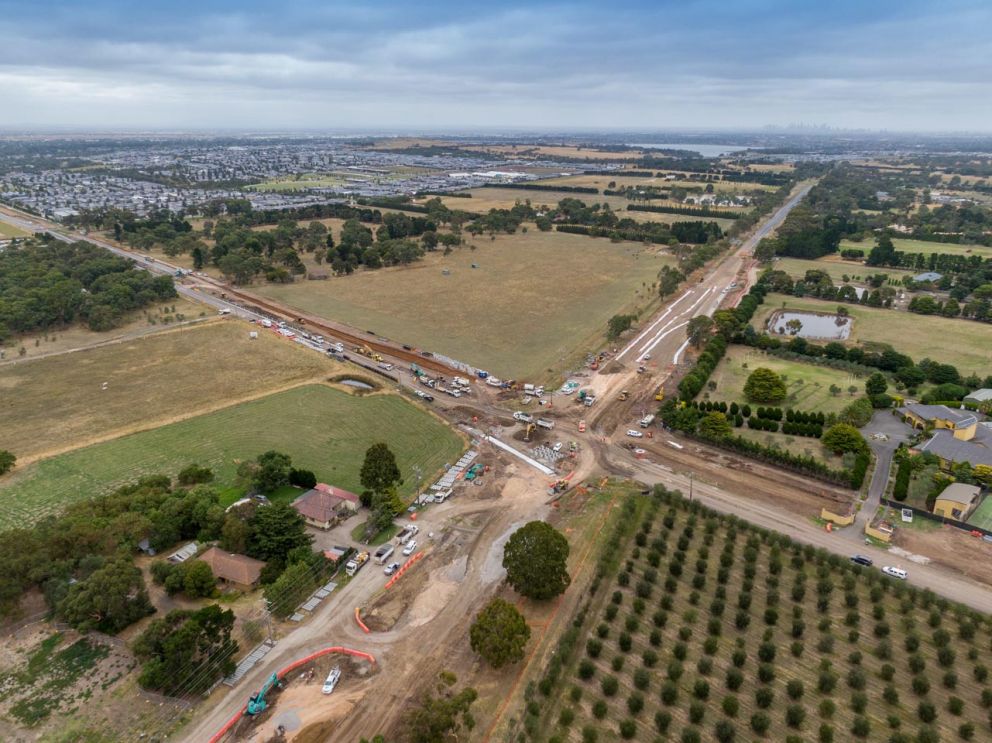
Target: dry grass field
column 55, row 403
column 963, row 343
column 837, row 269
column 533, row 297
column 601, row 181
column 9, row 230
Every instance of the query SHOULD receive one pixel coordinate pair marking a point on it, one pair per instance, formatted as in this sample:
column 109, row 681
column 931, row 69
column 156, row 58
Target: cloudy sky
column 439, row 64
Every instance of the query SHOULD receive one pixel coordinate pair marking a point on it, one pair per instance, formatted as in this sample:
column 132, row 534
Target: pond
column 356, row 383
column 813, row 325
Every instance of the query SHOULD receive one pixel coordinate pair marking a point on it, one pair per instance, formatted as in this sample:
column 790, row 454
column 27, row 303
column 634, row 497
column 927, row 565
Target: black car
column 862, row 560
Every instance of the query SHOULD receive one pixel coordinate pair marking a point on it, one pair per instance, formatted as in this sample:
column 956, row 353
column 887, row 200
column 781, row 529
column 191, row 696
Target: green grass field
column 707, row 630
column 323, row 429
column 965, row 344
column 921, row 246
column 837, row 269
column 808, row 384
column 982, row 517
column 533, row 297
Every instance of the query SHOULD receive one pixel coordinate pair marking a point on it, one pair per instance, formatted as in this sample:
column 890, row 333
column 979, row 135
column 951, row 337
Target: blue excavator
column 256, row 702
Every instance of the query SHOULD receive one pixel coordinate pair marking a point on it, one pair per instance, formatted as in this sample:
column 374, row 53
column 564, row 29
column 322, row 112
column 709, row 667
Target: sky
column 437, row 65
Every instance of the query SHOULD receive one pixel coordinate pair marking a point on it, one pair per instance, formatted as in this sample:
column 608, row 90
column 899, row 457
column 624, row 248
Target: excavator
column 624, row 395
column 366, row 351
column 256, row 702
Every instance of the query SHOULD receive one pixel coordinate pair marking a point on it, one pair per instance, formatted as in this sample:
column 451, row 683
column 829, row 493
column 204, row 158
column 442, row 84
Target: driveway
column 884, row 432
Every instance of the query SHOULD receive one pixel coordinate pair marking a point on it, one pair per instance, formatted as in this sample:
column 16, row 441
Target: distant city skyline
column 535, row 66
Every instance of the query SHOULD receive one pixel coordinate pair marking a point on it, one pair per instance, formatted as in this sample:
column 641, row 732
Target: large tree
column 715, row 425
column 535, row 558
column 499, row 633
column 843, row 437
column 379, row 472
column 272, row 471
column 110, row 599
column 7, row 461
column 764, row 385
column 876, row 384
column 187, row 651
column 275, row 531
column 698, row 330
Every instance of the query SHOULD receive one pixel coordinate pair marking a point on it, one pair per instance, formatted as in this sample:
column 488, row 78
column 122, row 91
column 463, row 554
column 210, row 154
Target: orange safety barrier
column 406, row 566
column 219, row 735
column 361, row 624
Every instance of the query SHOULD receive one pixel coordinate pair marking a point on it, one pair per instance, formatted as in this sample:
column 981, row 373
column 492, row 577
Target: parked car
column 634, row 433
column 391, row 568
column 332, row 680
column 895, row 572
column 556, row 447
column 410, row 548
column 862, row 560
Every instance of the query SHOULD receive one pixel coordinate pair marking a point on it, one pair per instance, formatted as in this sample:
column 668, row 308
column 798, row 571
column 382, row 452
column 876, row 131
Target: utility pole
column 690, row 487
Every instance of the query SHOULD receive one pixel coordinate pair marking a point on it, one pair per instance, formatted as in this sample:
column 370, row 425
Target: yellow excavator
column 366, row 351
column 624, row 395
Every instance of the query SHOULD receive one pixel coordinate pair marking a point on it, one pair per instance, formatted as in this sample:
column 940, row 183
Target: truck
column 356, row 563
column 383, row 553
column 409, row 532
column 647, row 420
column 523, row 417
column 543, row 423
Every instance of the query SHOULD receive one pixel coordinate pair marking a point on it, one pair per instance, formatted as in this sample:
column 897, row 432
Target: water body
column 706, row 150
column 815, row 326
column 357, row 383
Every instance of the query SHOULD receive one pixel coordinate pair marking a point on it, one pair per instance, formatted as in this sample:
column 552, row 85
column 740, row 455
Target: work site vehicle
column 660, row 394
column 647, row 420
column 383, row 553
column 409, row 531
column 356, row 563
column 546, row 424
column 523, row 417
column 624, row 395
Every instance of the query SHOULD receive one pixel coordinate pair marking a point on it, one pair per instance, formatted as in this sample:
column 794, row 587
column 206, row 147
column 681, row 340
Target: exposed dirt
column 951, row 548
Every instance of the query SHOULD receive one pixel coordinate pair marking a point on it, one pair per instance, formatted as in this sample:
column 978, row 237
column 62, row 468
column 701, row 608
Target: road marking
column 651, row 327
column 667, row 329
column 675, row 359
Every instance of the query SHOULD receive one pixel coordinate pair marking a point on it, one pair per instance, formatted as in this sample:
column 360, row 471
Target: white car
column 392, row 568
column 410, row 548
column 895, row 572
column 332, row 680
column 556, row 447
column 634, row 433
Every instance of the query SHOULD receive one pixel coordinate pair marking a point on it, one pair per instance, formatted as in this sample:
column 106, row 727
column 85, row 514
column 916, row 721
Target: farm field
column 601, row 181
column 9, row 230
column 837, row 269
column 711, row 630
column 921, row 246
column 966, row 344
column 323, row 429
column 56, row 402
column 808, row 384
column 533, row 297
column 151, row 319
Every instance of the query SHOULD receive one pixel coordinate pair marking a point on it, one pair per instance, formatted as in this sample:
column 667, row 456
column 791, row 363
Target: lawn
column 982, row 517
column 801, row 446
column 921, row 246
column 323, row 429
column 533, row 298
column 837, row 269
column 54, row 403
column 965, row 344
column 711, row 631
column 808, row 384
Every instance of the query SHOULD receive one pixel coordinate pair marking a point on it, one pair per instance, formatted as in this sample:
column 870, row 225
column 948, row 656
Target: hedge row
column 692, row 211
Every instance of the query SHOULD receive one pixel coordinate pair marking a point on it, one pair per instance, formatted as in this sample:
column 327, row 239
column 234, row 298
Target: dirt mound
column 614, row 367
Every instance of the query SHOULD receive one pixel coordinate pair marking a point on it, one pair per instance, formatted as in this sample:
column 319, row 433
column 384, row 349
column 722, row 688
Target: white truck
column 409, row 532
column 523, row 417
column 647, row 420
column 544, row 423
column 356, row 563
column 383, row 553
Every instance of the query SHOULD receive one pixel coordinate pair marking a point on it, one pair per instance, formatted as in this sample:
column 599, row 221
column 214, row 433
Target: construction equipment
column 256, row 702
column 624, row 395
column 364, row 350
column 417, row 371
column 530, row 430
column 581, row 396
column 660, row 394
column 356, row 563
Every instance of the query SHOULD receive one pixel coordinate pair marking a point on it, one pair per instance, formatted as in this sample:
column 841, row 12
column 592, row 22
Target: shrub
column 966, row 731
column 624, row 642
column 599, row 709
column 926, row 712
column 617, row 662
column 890, row 695
column 635, row 703
column 628, row 729
column 662, row 720
column 760, row 722
column 860, row 727
column 589, row 734
column 920, row 685
column 701, row 689
column 859, row 701
column 690, row 735
column 609, row 685
column 827, row 708
column 764, row 697
column 955, row 705
column 734, row 679
column 794, row 689
column 669, row 693
column 566, row 717
column 794, row 715
column 697, row 710
column 766, row 673
column 641, row 679
column 586, row 669
column 649, row 658
column 730, row 705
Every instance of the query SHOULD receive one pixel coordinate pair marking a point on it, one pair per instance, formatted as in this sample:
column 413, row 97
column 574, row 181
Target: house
column 184, row 553
column 962, row 423
column 239, row 571
column 145, row 546
column 951, row 450
column 325, row 505
column 927, row 277
column 957, row 501
column 980, row 396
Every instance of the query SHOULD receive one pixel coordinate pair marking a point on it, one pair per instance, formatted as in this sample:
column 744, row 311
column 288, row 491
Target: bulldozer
column 624, row 395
